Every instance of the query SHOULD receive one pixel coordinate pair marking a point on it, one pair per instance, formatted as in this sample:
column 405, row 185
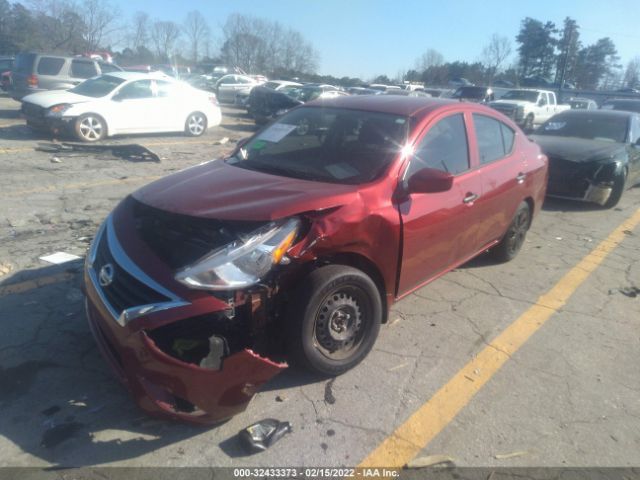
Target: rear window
column 50, row 65
column 83, row 69
column 24, row 62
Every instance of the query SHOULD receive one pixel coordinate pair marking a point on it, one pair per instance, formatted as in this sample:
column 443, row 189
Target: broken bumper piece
column 174, row 357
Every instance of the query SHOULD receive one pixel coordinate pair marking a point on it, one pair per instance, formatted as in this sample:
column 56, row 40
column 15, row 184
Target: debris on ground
column 431, row 461
column 222, row 141
column 263, row 434
column 631, row 292
column 55, row 160
column 280, row 398
column 59, row 433
column 59, row 257
column 504, row 456
column 132, row 152
column 328, row 392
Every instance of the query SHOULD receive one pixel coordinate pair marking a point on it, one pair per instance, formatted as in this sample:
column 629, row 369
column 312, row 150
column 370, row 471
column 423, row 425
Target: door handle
column 470, row 198
column 521, row 177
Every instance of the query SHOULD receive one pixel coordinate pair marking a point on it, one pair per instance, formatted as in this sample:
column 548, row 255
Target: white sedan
column 123, row 103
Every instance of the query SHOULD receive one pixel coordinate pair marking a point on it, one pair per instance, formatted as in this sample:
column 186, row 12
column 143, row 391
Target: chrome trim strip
column 127, row 264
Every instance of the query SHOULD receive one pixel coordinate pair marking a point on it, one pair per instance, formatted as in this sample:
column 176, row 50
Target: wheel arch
column 356, row 260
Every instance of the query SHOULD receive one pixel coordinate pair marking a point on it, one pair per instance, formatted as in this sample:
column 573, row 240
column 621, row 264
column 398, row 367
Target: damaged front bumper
column 171, row 353
column 589, row 182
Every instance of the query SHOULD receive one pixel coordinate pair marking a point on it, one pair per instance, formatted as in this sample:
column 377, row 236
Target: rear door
column 439, row 229
column 503, row 173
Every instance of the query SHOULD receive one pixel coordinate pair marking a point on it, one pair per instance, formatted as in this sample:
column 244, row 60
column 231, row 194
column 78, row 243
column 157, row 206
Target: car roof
column 139, row 75
column 597, row 113
column 393, row 104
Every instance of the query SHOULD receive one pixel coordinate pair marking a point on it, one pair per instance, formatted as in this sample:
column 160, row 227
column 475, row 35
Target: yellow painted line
column 432, row 417
column 73, row 186
column 14, row 150
column 21, row 287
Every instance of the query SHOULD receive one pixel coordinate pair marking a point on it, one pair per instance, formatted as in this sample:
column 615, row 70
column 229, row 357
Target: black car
column 627, row 104
column 474, row 94
column 594, row 155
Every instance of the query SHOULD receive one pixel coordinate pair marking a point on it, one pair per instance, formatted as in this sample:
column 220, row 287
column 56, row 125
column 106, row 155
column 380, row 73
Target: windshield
column 528, row 95
column 628, row 105
column 591, row 127
column 326, row 145
column 97, row 87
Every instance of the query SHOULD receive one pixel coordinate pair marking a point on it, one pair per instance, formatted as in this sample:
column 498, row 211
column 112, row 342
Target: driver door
column 439, row 229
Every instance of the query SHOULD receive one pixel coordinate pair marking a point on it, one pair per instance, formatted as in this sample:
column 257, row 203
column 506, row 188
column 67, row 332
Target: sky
column 365, row 38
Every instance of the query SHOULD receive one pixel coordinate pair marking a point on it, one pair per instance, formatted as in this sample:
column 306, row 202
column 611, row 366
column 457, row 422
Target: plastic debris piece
column 59, row 433
column 558, row 238
column 5, row 268
column 222, row 141
column 431, row 461
column 55, row 160
column 263, row 434
column 280, row 398
column 504, row 456
column 59, row 257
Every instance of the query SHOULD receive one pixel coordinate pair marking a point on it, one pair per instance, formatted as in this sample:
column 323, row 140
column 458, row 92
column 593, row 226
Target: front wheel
column 333, row 320
column 90, row 128
column 196, row 124
column 513, row 239
column 616, row 190
column 527, row 126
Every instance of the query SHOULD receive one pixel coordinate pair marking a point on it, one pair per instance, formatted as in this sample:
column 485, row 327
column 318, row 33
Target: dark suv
column 34, row 72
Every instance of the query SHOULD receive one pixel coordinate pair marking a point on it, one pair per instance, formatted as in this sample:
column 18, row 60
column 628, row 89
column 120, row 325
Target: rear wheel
column 90, row 128
column 513, row 239
column 333, row 320
column 196, row 124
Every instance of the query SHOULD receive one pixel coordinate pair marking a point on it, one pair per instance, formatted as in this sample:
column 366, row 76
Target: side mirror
column 430, row 180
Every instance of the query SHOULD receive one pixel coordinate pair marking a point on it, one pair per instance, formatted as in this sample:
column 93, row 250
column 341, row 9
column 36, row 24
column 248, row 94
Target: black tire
column 196, row 124
column 616, row 190
column 527, row 126
column 515, row 235
column 90, row 127
column 333, row 320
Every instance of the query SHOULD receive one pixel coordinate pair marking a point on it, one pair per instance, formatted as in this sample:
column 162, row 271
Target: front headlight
column 58, row 110
column 244, row 262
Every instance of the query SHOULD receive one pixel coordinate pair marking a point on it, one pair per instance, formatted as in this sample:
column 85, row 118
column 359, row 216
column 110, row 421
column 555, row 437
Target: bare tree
column 632, row 73
column 164, row 36
column 430, row 58
column 139, row 30
column 100, row 19
column 197, row 32
column 495, row 54
column 258, row 45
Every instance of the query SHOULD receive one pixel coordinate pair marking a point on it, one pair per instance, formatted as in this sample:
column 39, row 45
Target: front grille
column 125, row 291
column 507, row 110
column 569, row 179
column 180, row 240
column 32, row 110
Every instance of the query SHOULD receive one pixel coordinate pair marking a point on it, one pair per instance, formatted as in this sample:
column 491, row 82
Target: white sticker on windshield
column 276, row 132
column 341, row 170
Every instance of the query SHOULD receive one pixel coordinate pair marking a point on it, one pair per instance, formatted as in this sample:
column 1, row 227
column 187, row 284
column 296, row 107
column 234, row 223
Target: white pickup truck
column 528, row 107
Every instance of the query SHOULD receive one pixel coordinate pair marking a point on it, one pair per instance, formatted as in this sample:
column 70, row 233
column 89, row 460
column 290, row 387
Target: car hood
column 577, row 149
column 221, row 191
column 55, row 97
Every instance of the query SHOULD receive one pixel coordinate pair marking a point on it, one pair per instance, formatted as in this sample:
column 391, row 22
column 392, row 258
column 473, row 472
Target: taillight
column 32, row 81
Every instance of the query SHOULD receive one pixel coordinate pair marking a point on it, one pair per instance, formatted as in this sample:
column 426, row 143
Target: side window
column 543, row 100
column 108, row 68
column 227, row 80
column 83, row 69
column 139, row 89
column 50, row 65
column 495, row 139
column 165, row 89
column 552, row 98
column 444, row 147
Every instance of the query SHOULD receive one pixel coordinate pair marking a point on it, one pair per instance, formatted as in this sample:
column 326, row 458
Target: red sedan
column 200, row 286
